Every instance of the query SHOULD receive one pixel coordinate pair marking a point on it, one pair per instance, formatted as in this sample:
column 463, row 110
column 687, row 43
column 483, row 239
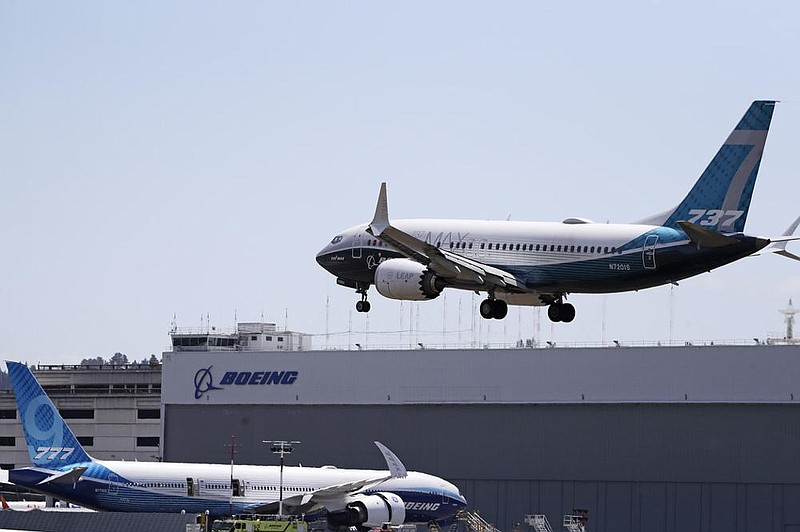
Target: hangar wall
column 636, row 467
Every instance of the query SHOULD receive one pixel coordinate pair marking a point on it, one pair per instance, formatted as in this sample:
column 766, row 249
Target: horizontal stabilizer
column 787, row 254
column 778, row 244
column 705, row 237
column 67, row 477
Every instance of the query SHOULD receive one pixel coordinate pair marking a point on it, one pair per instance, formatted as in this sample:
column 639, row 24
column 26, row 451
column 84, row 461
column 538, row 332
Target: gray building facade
column 647, row 439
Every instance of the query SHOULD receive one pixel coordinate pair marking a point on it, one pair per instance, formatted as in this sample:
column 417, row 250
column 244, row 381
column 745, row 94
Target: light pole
column 282, row 448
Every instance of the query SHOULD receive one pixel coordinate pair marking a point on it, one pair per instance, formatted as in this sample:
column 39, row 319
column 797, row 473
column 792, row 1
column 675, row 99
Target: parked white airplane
column 540, row 263
column 351, row 497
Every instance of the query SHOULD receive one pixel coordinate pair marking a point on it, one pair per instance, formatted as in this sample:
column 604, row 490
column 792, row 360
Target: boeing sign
column 204, row 379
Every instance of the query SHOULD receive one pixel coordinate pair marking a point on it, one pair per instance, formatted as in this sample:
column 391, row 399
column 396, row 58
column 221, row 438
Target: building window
column 253, row 338
column 7, row 441
column 147, row 441
column 8, row 413
column 149, row 413
column 7, row 467
column 76, row 413
column 269, row 338
column 280, row 338
column 86, row 441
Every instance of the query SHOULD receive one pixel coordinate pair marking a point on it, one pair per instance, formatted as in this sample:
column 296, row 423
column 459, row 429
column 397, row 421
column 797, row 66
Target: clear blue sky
column 192, row 157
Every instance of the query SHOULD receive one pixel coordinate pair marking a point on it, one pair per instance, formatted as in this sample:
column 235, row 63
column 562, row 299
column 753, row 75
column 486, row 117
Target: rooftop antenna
column 789, row 312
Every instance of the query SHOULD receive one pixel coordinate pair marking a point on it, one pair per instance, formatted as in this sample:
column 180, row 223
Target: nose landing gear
column 363, row 305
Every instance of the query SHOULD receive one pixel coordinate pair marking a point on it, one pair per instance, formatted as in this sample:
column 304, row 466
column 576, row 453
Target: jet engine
column 406, row 279
column 370, row 511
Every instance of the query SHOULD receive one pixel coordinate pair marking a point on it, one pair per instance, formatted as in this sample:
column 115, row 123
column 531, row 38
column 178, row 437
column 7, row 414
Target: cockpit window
column 336, row 239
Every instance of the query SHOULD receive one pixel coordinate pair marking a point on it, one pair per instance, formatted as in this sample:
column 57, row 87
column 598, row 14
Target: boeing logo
column 204, row 380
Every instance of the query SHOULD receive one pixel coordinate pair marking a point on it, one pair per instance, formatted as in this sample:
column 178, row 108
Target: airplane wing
column 442, row 262
column 331, row 495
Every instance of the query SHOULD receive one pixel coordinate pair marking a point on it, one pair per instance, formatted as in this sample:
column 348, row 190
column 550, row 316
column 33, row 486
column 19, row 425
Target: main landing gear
column 363, row 305
column 493, row 308
column 560, row 311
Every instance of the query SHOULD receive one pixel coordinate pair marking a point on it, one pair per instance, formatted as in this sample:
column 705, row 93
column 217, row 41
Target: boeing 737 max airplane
column 540, row 263
column 366, row 498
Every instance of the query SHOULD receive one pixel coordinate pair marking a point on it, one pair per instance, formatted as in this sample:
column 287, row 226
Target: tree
column 119, row 359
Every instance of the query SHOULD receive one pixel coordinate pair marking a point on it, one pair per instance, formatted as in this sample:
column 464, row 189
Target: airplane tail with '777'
column 349, row 497
column 540, row 263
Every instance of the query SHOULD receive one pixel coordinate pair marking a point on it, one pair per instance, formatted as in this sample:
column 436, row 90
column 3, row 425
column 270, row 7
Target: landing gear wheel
column 567, row 313
column 561, row 312
column 499, row 309
column 487, row 309
column 363, row 306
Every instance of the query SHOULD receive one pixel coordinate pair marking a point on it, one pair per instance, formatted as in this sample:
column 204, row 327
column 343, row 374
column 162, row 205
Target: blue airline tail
column 721, row 197
column 50, row 441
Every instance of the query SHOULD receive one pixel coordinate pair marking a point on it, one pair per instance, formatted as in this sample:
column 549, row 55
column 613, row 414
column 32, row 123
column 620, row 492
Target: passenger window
column 537, row 247
column 482, row 244
column 451, row 245
column 572, row 249
column 613, row 250
column 605, row 250
column 490, row 245
column 470, row 245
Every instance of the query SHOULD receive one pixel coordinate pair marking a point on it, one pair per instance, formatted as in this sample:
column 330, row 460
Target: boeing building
column 643, row 438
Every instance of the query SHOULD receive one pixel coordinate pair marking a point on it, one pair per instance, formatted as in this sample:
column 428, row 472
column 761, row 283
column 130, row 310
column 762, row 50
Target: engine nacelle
column 406, row 279
column 370, row 511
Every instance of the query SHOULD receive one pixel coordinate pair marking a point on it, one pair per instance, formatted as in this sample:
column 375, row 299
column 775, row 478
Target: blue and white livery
column 350, row 497
column 540, row 263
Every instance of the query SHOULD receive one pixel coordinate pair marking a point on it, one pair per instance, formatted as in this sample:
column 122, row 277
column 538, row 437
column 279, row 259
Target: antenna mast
column 789, row 312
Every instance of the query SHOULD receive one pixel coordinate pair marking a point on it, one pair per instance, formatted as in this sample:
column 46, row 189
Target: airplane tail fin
column 721, row 197
column 50, row 441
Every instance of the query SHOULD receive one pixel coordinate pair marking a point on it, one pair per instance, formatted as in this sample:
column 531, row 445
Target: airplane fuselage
column 550, row 257
column 195, row 488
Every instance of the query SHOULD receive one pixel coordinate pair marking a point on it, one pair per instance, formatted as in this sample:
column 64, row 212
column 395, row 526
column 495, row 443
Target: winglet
column 380, row 221
column 396, row 467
